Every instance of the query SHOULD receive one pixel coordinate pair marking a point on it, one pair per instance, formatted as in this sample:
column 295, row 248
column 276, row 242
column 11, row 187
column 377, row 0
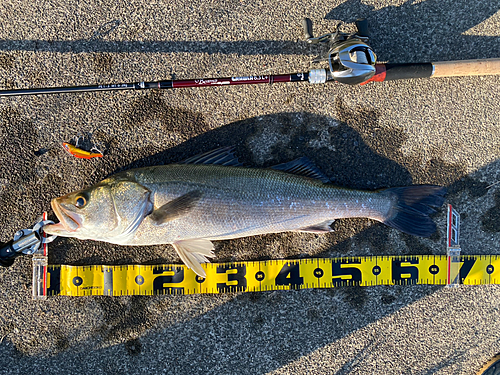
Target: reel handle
column 307, row 25
column 362, row 26
column 7, row 254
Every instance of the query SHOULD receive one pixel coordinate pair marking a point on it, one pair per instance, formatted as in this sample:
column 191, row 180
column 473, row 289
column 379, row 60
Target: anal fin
column 194, row 252
column 323, row 227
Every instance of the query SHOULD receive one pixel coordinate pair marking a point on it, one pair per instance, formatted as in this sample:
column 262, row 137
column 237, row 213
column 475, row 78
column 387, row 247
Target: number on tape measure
column 343, row 272
column 236, row 280
column 290, row 275
column 405, row 271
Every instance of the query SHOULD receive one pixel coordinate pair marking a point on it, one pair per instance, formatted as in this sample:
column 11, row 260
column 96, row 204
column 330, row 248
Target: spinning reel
column 351, row 60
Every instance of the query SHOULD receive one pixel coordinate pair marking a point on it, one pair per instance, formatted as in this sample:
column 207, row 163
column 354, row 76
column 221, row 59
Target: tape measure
column 451, row 269
column 258, row 276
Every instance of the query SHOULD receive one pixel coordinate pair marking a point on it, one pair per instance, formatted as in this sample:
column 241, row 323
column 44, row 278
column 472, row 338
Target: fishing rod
column 350, row 61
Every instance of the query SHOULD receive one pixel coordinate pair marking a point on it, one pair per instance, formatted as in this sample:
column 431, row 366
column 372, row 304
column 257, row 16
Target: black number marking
column 434, row 270
column 77, row 281
column 468, row 262
column 290, row 275
column 239, row 276
column 139, row 280
column 338, row 271
column 259, row 276
column 376, row 270
column 160, row 281
column 490, row 269
column 55, row 281
column 199, row 279
column 318, row 272
column 398, row 271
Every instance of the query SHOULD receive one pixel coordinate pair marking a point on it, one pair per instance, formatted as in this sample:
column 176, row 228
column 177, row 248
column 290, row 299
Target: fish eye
column 80, row 202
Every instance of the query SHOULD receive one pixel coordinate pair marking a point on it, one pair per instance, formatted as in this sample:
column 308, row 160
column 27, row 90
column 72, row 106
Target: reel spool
column 350, row 59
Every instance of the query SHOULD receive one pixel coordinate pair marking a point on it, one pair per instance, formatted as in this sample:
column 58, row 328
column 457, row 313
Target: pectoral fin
column 194, row 252
column 176, row 208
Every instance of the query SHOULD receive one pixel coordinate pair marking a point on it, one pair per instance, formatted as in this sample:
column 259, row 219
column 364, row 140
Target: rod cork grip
column 466, row 68
column 307, row 25
column 407, row 71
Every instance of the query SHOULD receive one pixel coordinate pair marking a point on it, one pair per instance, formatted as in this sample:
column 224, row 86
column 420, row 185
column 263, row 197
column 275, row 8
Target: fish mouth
column 68, row 220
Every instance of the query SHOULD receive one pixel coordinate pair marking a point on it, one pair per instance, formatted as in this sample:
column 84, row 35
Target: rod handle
column 362, row 26
column 466, row 68
column 307, row 25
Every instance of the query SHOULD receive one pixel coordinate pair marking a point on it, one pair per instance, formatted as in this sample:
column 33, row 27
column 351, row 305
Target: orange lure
column 79, row 153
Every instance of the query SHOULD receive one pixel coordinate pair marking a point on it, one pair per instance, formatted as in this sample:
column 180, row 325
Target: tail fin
column 412, row 207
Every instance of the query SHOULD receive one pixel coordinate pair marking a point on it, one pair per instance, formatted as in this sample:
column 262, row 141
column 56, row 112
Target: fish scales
column 239, row 202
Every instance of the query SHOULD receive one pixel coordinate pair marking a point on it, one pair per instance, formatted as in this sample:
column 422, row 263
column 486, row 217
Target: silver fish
column 212, row 197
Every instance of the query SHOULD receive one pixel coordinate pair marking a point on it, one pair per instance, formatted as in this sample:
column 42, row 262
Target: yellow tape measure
column 256, row 276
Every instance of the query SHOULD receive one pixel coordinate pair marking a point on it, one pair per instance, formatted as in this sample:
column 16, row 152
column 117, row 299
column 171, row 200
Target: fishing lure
column 79, row 153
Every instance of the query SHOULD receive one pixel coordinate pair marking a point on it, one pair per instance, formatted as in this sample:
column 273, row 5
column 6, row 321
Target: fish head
column 110, row 211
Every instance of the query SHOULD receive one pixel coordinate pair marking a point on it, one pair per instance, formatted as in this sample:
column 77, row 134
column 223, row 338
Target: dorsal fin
column 220, row 156
column 302, row 167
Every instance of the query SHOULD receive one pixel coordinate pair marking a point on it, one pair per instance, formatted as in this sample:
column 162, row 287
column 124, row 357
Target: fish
column 212, row 197
column 79, row 153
